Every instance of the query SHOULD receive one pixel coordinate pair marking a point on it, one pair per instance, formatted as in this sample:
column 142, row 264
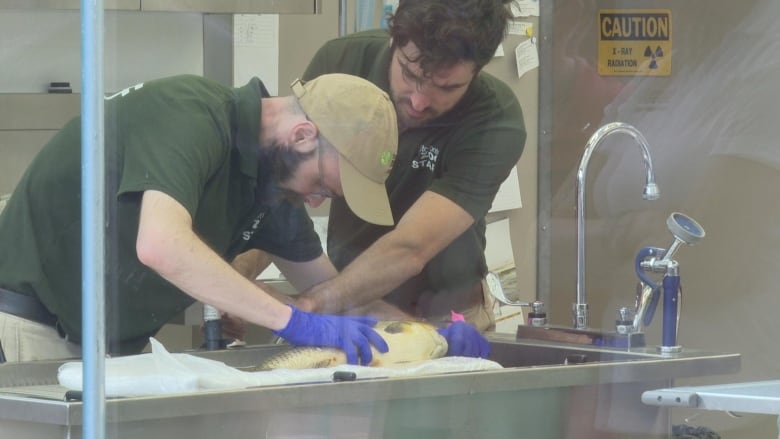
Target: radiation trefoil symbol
column 654, row 55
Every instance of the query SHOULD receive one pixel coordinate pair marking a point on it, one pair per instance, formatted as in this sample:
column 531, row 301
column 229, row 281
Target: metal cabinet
column 125, row 5
column 235, row 6
column 204, row 6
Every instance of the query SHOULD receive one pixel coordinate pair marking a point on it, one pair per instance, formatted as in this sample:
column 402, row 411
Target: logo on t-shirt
column 247, row 234
column 426, row 158
column 125, row 91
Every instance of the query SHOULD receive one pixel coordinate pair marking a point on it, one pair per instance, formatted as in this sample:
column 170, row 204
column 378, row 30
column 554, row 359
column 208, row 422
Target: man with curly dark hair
column 461, row 132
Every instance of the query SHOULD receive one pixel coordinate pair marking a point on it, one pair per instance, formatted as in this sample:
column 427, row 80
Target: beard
column 405, row 121
column 282, row 162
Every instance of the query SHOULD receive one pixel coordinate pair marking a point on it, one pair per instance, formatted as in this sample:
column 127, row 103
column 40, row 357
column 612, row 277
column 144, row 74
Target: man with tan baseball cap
column 203, row 173
column 358, row 119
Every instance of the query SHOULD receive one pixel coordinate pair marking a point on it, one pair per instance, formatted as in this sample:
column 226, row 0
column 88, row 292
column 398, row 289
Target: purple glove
column 351, row 334
column 464, row 340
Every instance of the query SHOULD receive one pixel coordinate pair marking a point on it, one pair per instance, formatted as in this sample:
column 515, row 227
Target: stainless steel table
column 545, row 390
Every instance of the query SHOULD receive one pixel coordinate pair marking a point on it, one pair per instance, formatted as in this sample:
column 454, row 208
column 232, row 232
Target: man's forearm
column 167, row 244
column 209, row 279
column 430, row 225
column 380, row 269
column 380, row 310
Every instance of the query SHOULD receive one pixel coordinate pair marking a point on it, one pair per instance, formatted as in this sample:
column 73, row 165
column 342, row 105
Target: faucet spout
column 650, row 192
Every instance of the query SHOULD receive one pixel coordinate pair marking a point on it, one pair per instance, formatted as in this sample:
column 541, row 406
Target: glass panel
column 710, row 127
column 696, row 79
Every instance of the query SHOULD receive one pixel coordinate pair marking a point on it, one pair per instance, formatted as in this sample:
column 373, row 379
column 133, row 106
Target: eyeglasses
column 323, row 192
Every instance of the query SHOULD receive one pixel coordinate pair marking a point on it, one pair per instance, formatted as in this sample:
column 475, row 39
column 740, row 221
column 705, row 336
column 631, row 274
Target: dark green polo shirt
column 463, row 155
column 186, row 136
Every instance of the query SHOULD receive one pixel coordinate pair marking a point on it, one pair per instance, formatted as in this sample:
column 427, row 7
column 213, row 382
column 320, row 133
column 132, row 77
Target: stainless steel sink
column 531, row 354
column 505, row 350
column 544, row 389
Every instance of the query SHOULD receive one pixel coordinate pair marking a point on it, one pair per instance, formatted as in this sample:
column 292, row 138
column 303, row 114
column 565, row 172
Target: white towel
column 161, row 372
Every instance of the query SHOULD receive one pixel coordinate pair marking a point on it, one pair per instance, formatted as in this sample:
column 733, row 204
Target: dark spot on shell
column 395, row 327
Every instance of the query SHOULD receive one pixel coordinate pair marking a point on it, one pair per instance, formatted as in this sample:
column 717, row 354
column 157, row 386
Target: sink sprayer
column 657, row 260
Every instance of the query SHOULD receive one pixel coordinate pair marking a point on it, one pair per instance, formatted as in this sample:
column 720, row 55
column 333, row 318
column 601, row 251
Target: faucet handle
column 497, row 290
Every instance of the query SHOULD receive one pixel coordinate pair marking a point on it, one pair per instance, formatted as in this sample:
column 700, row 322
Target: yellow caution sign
column 635, row 42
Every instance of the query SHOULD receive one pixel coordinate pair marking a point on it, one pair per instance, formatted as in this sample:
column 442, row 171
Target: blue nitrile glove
column 354, row 335
column 463, row 340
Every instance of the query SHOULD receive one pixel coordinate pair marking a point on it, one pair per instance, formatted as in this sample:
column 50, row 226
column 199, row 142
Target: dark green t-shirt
column 186, row 136
column 463, row 155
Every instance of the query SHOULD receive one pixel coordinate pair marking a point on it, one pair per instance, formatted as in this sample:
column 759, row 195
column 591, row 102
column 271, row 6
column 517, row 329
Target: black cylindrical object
column 212, row 328
column 624, row 324
column 537, row 316
column 60, row 87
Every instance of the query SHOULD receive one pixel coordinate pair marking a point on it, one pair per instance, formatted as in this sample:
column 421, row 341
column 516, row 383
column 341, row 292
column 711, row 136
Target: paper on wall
column 521, row 28
column 508, row 195
column 527, row 57
column 525, row 8
column 256, row 50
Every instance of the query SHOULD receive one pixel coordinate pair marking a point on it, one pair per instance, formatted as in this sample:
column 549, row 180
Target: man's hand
column 464, row 340
column 353, row 335
column 233, row 328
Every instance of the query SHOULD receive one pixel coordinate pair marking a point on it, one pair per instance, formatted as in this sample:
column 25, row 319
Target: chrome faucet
column 580, row 307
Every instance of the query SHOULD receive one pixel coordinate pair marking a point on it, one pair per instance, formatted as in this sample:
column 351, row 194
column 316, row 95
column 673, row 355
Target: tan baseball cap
column 359, row 120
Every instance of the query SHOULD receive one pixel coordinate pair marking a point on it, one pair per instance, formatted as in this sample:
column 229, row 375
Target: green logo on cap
column 386, row 159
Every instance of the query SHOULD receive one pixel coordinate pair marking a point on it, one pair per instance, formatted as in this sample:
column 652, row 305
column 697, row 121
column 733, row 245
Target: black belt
column 26, row 307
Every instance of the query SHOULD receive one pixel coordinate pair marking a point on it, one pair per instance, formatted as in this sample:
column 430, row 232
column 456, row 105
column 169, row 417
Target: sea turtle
column 409, row 341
